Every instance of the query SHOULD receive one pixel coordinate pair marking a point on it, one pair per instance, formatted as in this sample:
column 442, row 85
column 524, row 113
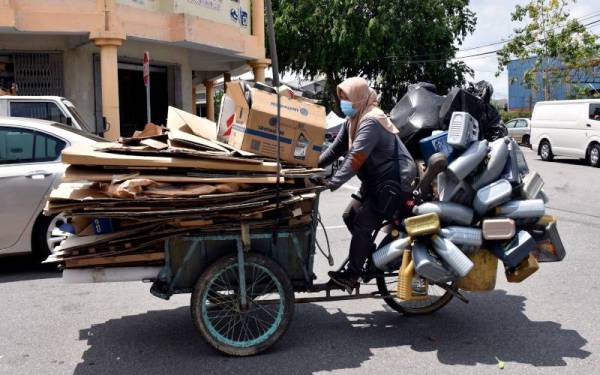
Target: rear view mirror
column 69, row 121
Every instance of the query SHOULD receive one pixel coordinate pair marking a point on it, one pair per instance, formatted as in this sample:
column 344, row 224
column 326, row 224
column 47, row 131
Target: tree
column 391, row 43
column 560, row 46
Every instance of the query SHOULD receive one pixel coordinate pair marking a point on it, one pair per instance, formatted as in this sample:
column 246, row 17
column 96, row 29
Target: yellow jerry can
column 422, row 225
column 483, row 275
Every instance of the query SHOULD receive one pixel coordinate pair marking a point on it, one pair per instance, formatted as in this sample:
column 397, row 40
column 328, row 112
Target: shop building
column 91, row 51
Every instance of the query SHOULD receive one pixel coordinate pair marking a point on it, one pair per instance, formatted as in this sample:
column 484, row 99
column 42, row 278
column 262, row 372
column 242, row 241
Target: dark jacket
column 376, row 156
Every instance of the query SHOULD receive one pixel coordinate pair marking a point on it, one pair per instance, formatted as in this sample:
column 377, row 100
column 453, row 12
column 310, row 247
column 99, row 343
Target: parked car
column 520, row 130
column 567, row 128
column 30, row 167
column 51, row 108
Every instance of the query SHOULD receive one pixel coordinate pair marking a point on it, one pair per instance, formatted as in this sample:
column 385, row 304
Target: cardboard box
column 302, row 129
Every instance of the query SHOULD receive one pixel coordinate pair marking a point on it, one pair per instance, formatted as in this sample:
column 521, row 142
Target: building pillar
column 109, row 71
column 210, row 100
column 258, row 20
column 258, row 69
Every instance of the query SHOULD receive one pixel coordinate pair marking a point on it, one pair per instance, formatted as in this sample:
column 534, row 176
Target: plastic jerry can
column 448, row 212
column 422, row 225
column 548, row 246
column 469, row 160
column 498, row 229
column 483, row 275
column 532, row 208
column 450, row 189
column 436, row 165
column 527, row 268
column 434, row 144
column 463, row 235
column 429, row 266
column 521, row 162
column 515, row 251
column 511, row 171
column 495, row 165
column 542, row 195
column 491, row 196
column 405, row 279
column 454, row 258
column 463, row 130
column 390, row 252
column 532, row 186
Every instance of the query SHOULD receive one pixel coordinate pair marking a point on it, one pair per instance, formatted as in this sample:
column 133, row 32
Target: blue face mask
column 347, row 108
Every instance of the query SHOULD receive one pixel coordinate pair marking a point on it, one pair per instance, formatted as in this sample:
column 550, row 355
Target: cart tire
column 216, row 306
column 408, row 308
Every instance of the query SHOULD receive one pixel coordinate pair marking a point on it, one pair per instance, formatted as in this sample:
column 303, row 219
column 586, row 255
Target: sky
column 493, row 25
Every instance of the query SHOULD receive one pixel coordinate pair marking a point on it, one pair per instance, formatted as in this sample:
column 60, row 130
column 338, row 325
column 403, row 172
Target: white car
column 30, row 167
column 520, row 130
column 567, row 128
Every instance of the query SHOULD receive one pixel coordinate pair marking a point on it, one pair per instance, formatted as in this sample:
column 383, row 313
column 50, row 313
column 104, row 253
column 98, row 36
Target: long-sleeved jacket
column 375, row 156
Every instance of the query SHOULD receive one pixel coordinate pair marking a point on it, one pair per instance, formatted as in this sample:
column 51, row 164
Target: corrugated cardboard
column 302, row 130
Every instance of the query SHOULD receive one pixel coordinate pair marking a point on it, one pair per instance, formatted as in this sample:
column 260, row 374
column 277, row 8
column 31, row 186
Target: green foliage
column 550, row 35
column 218, row 97
column 392, row 43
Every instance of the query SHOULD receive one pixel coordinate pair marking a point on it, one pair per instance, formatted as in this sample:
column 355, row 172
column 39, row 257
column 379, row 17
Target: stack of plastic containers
column 486, row 199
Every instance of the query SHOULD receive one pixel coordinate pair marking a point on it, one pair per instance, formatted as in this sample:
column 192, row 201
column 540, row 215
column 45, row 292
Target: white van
column 567, row 128
column 51, row 108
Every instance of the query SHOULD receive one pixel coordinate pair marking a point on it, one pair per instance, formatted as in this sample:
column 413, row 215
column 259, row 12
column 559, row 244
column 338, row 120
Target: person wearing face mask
column 372, row 150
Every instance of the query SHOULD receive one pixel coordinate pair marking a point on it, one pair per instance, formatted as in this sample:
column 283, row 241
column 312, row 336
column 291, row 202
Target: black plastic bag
column 417, row 112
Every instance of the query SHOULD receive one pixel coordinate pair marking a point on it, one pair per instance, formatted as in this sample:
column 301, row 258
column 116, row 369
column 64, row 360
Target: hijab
column 364, row 100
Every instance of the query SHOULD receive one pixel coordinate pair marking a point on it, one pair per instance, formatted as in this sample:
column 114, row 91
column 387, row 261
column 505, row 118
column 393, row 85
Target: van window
column 595, row 112
column 40, row 110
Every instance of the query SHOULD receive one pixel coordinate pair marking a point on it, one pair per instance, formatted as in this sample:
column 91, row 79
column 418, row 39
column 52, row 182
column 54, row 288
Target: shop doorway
column 132, row 97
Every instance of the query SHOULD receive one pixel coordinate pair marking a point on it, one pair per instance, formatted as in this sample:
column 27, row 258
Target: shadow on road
column 23, row 268
column 325, row 338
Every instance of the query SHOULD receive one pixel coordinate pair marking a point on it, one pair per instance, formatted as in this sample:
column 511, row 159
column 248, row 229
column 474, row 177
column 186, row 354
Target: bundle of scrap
column 123, row 199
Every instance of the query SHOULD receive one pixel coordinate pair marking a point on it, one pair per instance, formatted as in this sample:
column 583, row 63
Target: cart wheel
column 227, row 325
column 438, row 296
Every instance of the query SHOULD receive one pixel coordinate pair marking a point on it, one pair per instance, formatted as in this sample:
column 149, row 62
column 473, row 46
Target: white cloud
column 493, row 25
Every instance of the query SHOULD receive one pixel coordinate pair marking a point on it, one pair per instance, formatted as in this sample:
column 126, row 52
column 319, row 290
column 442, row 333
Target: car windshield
column 79, row 132
column 75, row 114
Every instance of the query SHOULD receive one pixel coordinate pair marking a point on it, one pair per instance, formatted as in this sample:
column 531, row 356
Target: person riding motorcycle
column 372, row 151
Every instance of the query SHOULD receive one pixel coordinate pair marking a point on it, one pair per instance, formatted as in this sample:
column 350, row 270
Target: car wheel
column 47, row 235
column 594, row 155
column 546, row 151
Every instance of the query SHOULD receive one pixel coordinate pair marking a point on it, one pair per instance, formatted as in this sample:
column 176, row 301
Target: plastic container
column 532, row 186
column 511, row 171
column 434, row 144
column 390, row 252
column 548, row 246
column 521, row 162
column 467, row 236
column 436, row 165
column 528, row 209
column 515, row 251
column 542, row 195
column 463, row 130
column 495, row 165
column 429, row 266
column 422, row 225
column 527, row 268
column 483, row 275
column 448, row 212
column 454, row 258
column 491, row 196
column 469, row 160
column 450, row 189
column 405, row 279
column 498, row 229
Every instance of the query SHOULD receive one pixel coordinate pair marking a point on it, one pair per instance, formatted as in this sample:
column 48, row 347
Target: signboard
column 229, row 12
column 146, row 68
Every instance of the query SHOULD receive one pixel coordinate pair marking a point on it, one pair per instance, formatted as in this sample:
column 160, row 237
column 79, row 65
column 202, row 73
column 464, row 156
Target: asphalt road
column 547, row 323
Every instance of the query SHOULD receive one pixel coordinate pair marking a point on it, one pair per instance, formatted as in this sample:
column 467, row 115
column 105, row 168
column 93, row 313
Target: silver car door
column 29, row 166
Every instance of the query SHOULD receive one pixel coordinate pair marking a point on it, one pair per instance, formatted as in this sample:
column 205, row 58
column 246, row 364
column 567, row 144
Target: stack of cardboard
column 123, row 199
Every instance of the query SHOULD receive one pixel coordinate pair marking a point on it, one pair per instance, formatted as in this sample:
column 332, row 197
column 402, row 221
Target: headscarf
column 364, row 100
